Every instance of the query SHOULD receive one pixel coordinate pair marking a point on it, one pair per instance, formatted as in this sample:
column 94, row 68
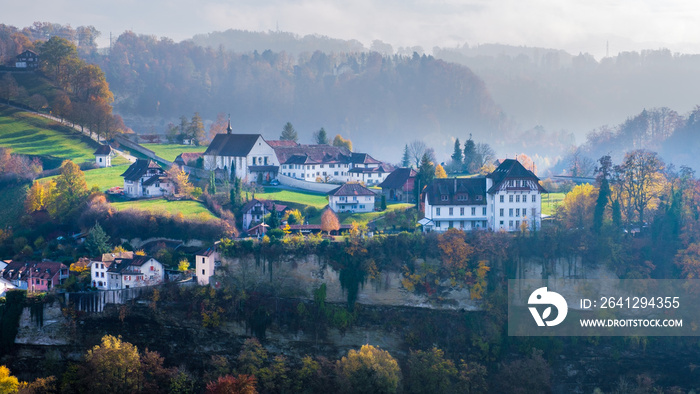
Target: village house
column 145, row 178
column 103, row 156
column 27, row 60
column 5, row 285
column 351, row 197
column 506, row 199
column 35, row 276
column 255, row 210
column 398, row 186
column 139, row 271
column 206, row 262
column 247, row 156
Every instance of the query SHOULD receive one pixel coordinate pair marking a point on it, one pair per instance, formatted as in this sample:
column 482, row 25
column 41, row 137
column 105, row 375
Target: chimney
column 455, row 185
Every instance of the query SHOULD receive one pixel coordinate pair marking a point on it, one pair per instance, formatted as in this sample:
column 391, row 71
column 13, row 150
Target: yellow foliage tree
column 8, row 383
column 183, row 265
column 577, row 207
column 455, row 250
column 440, row 172
column 341, row 142
column 369, row 370
column 140, row 252
column 38, row 195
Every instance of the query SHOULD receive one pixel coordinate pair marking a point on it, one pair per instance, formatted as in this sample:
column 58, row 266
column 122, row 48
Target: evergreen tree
column 406, row 159
column 97, row 241
column 600, row 204
column 616, row 214
column 383, row 203
column 235, row 194
column 426, row 173
column 321, row 138
column 457, row 155
column 274, row 220
column 469, row 154
column 288, row 133
column 196, row 129
column 212, row 184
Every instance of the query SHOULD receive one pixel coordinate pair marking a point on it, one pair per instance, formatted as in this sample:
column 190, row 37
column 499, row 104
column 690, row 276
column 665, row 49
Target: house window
column 510, row 224
column 461, row 212
column 517, row 212
column 478, row 198
column 534, row 198
column 483, row 211
column 510, row 198
column 362, row 206
column 502, row 198
column 510, row 212
column 100, row 160
column 203, row 272
column 451, row 213
column 450, row 224
column 473, row 211
column 534, row 212
column 437, row 211
column 153, row 268
column 501, row 222
column 437, row 224
column 517, row 223
column 444, row 197
column 517, row 198
column 501, row 213
column 102, row 274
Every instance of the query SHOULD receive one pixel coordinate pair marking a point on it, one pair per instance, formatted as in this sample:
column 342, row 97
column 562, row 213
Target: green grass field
column 171, row 151
column 105, row 178
column 550, row 202
column 189, row 209
column 31, row 134
column 306, row 198
column 364, row 218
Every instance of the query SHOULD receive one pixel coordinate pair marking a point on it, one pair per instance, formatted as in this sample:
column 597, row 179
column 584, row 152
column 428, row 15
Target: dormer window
column 478, row 198
column 444, row 197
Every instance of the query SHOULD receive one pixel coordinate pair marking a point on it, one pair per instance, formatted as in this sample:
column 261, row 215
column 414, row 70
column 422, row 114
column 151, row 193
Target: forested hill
column 381, row 103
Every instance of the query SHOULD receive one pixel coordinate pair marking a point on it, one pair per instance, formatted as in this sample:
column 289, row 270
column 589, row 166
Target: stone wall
column 317, row 187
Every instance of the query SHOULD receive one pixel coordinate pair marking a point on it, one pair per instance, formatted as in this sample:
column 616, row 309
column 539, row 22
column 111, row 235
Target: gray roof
column 236, row 145
column 457, row 191
column 398, row 178
column 139, row 168
column 103, row 150
column 511, row 169
column 317, row 153
column 351, row 189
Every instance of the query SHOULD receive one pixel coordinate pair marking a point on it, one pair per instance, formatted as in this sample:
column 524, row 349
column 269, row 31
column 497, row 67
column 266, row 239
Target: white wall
column 205, row 267
column 351, row 203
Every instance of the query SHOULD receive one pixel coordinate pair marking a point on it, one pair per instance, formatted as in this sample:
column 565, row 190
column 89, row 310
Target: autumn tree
column 181, row 179
column 69, row 193
column 55, row 54
column 579, row 164
column 525, row 376
column 416, row 150
column 641, row 178
column 321, row 138
column 329, row 221
column 241, row 384
column 369, row 370
column 430, row 372
column 8, row 87
column 455, row 250
column 8, row 383
column 341, row 142
column 39, row 195
column 576, row 210
column 440, row 172
column 219, row 126
column 293, row 216
column 113, row 366
column 288, row 133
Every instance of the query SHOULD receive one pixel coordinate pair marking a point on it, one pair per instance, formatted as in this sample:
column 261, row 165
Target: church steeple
column 229, row 129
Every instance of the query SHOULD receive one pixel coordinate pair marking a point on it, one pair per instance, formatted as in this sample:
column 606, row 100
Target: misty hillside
column 558, row 91
column 380, row 103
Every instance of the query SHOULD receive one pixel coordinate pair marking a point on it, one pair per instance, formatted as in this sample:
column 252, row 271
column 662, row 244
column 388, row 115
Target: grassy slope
column 550, row 202
column 306, row 198
column 30, row 134
column 171, row 151
column 105, row 178
column 189, row 209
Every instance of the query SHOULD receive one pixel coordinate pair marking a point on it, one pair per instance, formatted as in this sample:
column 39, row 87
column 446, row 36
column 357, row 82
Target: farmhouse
column 351, row 197
column 125, row 273
column 398, row 185
column 247, row 156
column 145, row 178
column 27, row 60
column 506, row 199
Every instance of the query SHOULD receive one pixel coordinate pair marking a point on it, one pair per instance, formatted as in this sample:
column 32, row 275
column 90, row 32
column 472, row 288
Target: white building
column 246, row 155
column 325, row 163
column 206, row 262
column 137, row 272
column 351, row 197
column 145, row 178
column 505, row 199
column 103, row 156
column 254, row 211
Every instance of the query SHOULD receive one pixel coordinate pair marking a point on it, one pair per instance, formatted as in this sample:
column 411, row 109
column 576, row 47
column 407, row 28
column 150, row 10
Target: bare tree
column 579, row 164
column 484, row 154
column 416, row 149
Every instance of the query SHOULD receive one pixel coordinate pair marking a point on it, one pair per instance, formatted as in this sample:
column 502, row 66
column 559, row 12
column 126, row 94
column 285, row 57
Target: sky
column 573, row 25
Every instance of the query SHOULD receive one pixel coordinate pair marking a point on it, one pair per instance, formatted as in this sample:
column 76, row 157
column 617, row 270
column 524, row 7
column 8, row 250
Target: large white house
column 246, row 155
column 136, row 272
column 505, row 199
column 145, row 178
column 325, row 163
column 351, row 197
